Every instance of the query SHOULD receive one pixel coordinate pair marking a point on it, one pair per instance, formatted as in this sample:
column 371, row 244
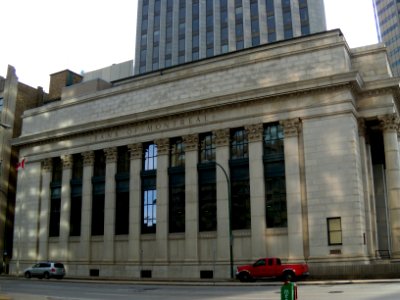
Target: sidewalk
column 215, row 282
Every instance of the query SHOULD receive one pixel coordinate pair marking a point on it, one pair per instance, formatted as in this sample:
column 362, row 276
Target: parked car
column 271, row 268
column 48, row 269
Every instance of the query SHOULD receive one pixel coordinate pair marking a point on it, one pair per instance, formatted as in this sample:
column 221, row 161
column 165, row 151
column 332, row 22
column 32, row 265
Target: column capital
column 255, row 132
column 88, row 158
column 111, row 154
column 222, row 137
column 389, row 122
column 162, row 146
column 291, row 127
column 136, row 150
column 48, row 164
column 191, row 142
column 66, row 161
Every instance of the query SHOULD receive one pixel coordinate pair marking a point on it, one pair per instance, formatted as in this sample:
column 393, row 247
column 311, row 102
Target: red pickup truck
column 271, row 267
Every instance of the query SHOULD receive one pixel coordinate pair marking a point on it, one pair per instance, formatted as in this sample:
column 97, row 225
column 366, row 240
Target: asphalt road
column 36, row 289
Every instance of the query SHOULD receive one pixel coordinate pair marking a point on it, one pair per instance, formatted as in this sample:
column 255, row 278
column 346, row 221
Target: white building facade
column 297, row 141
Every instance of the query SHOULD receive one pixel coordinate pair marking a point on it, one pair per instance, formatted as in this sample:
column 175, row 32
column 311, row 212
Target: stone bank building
column 289, row 149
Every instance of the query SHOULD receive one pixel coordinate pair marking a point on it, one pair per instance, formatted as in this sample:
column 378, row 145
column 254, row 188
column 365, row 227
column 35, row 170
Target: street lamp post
column 230, row 218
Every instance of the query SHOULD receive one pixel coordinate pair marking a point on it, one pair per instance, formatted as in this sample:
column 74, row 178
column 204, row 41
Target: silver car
column 46, row 270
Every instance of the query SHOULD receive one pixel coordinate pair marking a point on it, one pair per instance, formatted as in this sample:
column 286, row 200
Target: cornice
column 350, row 80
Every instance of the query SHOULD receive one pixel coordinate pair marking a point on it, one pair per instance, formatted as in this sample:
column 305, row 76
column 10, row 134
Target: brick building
column 15, row 98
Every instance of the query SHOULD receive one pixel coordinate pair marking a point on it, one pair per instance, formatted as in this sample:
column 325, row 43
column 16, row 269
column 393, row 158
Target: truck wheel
column 289, row 276
column 245, row 277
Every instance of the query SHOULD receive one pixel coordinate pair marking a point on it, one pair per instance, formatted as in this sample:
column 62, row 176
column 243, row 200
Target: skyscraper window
column 193, row 30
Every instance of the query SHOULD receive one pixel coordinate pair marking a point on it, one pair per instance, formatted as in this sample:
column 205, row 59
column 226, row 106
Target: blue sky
column 48, row 36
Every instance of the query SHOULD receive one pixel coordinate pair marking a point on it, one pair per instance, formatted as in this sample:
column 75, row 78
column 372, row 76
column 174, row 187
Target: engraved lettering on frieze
column 136, row 150
column 172, row 123
column 291, row 127
column 222, row 137
column 255, row 132
column 162, row 146
column 111, row 155
column 106, row 135
column 191, row 142
column 66, row 161
column 151, row 126
column 88, row 158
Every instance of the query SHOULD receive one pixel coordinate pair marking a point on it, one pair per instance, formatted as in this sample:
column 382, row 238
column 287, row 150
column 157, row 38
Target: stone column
column 390, row 126
column 191, row 198
column 371, row 240
column 293, row 189
column 88, row 161
column 135, row 197
column 162, row 200
column 65, row 206
column 44, row 209
column 223, row 222
column 257, row 190
column 109, row 204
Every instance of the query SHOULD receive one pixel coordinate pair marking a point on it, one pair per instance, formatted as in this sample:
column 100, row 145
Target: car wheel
column 46, row 275
column 245, row 277
column 28, row 275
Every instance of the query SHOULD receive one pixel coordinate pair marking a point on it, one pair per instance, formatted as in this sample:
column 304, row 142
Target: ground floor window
column 75, row 216
column 98, row 204
column 207, row 197
column 55, row 210
column 122, row 213
column 177, row 199
column 240, row 194
column 122, row 204
column 274, row 176
column 149, row 211
column 334, row 231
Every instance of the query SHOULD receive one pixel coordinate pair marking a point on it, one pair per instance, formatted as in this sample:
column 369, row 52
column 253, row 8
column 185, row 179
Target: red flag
column 21, row 164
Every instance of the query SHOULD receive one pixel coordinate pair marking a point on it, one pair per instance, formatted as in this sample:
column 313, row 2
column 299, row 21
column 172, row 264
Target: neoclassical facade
column 289, row 149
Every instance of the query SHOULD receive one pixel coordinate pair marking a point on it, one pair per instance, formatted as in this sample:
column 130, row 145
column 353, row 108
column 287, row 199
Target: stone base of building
column 372, row 270
column 192, row 272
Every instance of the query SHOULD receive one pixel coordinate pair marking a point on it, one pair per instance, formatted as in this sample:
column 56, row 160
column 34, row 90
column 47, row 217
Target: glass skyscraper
column 171, row 32
column 387, row 17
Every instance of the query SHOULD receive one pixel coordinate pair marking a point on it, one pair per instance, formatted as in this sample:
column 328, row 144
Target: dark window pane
column 177, row 203
column 99, row 163
column 207, row 148
column 240, row 197
column 75, row 216
column 123, row 160
column 207, row 208
column 56, row 169
column 274, row 173
column 177, row 153
column 55, row 211
column 122, row 213
column 239, row 144
column 276, row 212
column 98, row 214
column 77, row 166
